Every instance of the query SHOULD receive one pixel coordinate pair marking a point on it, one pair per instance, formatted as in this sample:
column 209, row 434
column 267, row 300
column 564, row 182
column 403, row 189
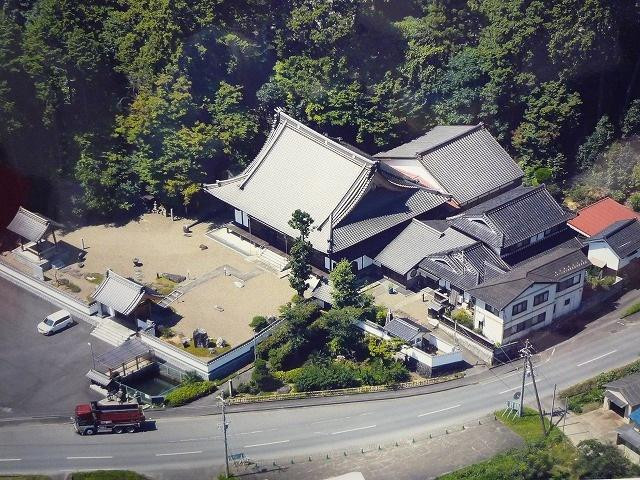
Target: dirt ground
column 217, row 305
column 599, row 424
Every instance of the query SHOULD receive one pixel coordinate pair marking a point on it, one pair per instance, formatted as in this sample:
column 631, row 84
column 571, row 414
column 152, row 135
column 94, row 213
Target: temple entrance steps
column 111, row 332
column 273, row 259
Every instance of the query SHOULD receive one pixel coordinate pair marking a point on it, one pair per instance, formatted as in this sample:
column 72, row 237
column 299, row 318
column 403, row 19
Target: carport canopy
column 613, row 398
column 130, row 350
column 119, row 293
column 29, row 225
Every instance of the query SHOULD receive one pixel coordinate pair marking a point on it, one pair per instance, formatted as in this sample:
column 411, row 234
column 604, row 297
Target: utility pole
column 224, row 430
column 553, row 405
column 535, row 389
column 524, row 352
column 93, row 358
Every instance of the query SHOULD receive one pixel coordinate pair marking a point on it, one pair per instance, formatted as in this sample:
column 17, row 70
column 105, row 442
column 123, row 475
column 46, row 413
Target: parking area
column 41, row 375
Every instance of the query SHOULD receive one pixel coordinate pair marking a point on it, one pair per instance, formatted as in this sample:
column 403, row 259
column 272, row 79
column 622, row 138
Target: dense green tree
column 261, row 376
column 631, row 121
column 300, row 253
column 595, row 144
column 634, row 201
column 601, row 460
column 339, row 327
column 344, row 287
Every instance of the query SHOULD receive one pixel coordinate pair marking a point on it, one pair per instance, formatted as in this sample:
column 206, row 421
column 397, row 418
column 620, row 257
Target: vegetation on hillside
column 104, row 100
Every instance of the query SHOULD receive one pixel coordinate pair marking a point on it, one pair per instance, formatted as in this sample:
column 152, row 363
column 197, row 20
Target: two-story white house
column 531, row 295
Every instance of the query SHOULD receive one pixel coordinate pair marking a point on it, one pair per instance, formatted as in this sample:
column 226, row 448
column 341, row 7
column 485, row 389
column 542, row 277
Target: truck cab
column 116, row 417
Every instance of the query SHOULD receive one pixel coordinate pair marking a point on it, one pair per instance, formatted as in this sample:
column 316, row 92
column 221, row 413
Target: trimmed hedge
column 108, row 475
column 592, row 390
column 635, row 308
column 188, row 392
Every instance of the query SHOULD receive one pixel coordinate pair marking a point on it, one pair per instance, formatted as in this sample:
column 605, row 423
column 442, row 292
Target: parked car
column 55, row 322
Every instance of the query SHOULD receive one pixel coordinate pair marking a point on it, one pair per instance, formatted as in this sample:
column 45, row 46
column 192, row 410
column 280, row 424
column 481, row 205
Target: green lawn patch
column 583, row 396
column 188, row 392
column 163, row 286
column 94, row 278
column 108, row 475
column 635, row 308
column 528, row 426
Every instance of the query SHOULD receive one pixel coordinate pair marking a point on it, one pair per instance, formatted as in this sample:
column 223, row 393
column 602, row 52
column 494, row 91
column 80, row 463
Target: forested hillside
column 102, row 101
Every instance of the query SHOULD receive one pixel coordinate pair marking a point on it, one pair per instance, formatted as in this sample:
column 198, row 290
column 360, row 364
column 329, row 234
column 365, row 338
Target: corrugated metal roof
column 471, row 165
column 119, row 293
column 599, row 215
column 99, row 378
column 29, row 225
column 511, row 217
column 417, row 241
column 629, row 435
column 433, row 137
column 127, row 351
column 622, row 236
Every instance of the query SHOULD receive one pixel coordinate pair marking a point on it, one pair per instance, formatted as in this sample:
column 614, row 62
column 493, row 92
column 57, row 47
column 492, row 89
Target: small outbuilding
column 33, row 230
column 616, row 246
column 623, row 396
column 119, row 295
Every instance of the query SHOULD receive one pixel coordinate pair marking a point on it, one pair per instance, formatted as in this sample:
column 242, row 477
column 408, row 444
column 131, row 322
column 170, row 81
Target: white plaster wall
column 601, row 255
column 412, row 167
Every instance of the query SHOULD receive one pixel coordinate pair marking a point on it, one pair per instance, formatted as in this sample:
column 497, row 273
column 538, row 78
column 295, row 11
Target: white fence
column 41, row 289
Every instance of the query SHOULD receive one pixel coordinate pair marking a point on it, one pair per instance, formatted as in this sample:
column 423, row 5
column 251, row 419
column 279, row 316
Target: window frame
column 515, row 310
column 544, row 295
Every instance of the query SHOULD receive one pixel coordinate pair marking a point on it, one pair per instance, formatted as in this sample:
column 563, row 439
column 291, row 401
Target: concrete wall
column 600, row 254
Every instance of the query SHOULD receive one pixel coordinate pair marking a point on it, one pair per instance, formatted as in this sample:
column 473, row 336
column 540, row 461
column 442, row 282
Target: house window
column 491, row 309
column 567, row 301
column 541, row 298
column 569, row 282
column 519, row 308
column 539, row 318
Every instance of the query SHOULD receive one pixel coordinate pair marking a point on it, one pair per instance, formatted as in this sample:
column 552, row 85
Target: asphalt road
column 194, row 442
column 52, row 366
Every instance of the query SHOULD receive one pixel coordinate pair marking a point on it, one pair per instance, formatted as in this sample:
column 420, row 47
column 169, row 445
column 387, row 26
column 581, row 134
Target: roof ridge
column 119, row 278
column 34, row 216
column 510, row 202
column 471, row 129
column 597, row 202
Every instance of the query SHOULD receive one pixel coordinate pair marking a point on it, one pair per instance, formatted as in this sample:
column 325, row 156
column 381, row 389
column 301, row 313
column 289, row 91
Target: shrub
column 635, row 308
column 188, row 392
column 167, row 332
column 262, row 378
column 326, row 377
column 634, row 201
column 107, row 475
column 380, row 372
column 259, row 323
column 463, row 317
column 191, row 377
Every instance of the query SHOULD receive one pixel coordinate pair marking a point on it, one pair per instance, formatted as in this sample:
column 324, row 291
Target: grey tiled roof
column 401, row 329
column 433, row 137
column 551, row 267
column 622, row 236
column 417, row 241
column 511, row 217
column 466, row 267
column 629, row 435
column 29, row 225
column 119, row 293
column 628, row 387
column 380, row 210
column 323, row 292
column 471, row 165
column 299, row 168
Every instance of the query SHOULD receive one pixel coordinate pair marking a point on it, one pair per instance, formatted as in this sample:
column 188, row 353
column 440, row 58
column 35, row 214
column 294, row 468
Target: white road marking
column 89, row 458
column 438, row 411
column 177, row 453
column 263, row 444
column 353, row 429
column 10, row 459
column 515, row 388
column 250, row 433
column 597, row 358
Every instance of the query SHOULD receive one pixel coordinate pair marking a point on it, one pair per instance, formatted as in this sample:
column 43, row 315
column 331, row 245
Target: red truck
column 94, row 417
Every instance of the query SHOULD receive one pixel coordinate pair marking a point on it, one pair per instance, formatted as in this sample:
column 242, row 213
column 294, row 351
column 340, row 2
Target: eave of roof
column 119, row 293
column 29, row 225
column 599, row 215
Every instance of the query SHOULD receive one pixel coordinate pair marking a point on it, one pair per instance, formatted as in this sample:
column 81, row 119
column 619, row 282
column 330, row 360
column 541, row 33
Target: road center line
column 353, row 429
column 10, row 459
column 597, row 358
column 263, row 444
column 515, row 388
column 438, row 411
column 178, row 453
column 89, row 458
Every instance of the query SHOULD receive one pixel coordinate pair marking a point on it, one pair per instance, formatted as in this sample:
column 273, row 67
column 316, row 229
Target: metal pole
column 553, row 405
column 535, row 389
column 93, row 360
column 524, row 375
column 564, row 420
column 224, row 430
column 255, row 351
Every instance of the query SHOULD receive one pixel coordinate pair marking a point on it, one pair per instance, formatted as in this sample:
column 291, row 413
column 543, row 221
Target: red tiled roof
column 599, row 215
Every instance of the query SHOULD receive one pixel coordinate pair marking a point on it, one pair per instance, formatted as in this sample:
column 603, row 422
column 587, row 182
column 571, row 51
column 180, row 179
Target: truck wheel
column 118, row 430
column 90, row 431
column 131, row 429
